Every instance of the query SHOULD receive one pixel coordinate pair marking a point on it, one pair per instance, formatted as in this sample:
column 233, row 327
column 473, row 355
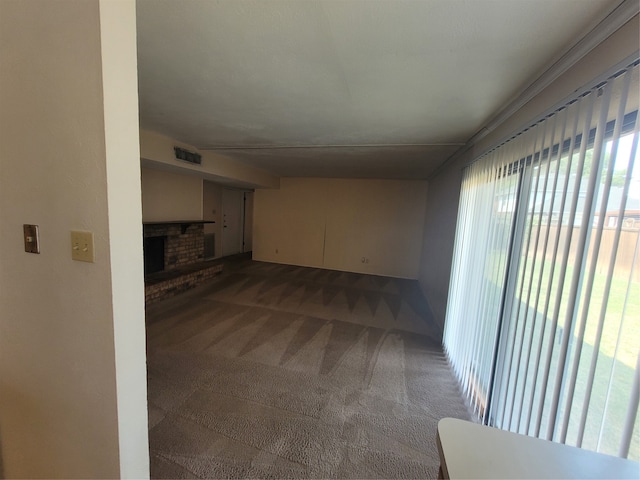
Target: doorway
column 232, row 221
column 247, row 243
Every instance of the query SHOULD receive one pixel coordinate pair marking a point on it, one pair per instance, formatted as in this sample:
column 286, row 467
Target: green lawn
column 615, row 370
column 624, row 297
column 621, row 327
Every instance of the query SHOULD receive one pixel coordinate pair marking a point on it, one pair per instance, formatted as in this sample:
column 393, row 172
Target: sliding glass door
column 487, row 212
column 543, row 320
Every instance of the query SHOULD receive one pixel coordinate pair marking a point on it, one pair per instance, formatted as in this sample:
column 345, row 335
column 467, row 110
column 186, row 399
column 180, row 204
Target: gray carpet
column 273, row 371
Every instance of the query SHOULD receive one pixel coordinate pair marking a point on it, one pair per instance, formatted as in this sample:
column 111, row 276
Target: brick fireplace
column 174, row 258
column 183, row 244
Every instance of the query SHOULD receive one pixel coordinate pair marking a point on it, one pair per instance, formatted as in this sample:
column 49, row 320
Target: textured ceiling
column 361, row 88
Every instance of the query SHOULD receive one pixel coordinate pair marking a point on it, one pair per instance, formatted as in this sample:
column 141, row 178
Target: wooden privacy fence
column 624, row 258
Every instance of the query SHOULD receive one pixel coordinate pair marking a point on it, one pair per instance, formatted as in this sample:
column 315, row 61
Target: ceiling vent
column 187, row 156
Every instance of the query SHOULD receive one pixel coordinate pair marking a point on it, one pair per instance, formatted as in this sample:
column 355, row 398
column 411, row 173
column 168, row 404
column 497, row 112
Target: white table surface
column 469, row 450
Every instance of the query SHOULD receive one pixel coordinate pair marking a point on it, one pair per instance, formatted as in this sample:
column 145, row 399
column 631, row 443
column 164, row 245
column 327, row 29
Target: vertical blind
column 543, row 316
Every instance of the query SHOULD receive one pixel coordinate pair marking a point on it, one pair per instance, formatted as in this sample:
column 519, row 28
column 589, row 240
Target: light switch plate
column 31, row 238
column 82, row 246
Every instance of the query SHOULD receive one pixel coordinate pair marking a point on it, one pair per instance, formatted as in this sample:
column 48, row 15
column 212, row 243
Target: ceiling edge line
column 372, row 145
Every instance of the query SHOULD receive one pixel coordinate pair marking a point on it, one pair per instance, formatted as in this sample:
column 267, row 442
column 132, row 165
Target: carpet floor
column 275, row 371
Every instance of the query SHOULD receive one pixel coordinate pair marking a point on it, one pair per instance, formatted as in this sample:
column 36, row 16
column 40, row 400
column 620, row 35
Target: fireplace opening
column 153, row 255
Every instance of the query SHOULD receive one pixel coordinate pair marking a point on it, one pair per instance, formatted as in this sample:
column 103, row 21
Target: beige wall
column 170, row 196
column 444, row 189
column 335, row 223
column 157, row 151
column 289, row 223
column 72, row 373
